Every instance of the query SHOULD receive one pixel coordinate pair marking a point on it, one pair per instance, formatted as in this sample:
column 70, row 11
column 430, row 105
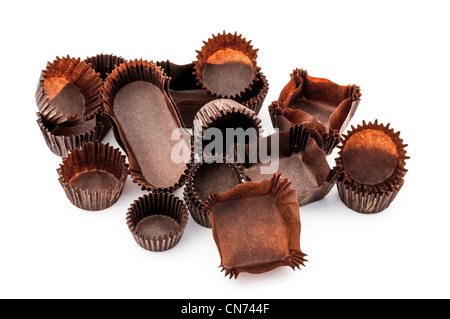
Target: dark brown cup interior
column 233, row 121
column 93, row 180
column 156, row 225
column 104, row 63
column 156, row 215
column 187, row 96
column 214, row 177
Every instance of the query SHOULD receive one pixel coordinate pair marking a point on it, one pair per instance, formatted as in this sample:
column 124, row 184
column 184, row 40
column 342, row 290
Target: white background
column 396, row 51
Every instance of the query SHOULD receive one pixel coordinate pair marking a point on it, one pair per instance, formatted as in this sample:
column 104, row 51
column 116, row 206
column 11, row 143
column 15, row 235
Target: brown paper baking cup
column 184, row 92
column 69, row 92
column 256, row 226
column 157, row 220
column 371, row 167
column 226, row 65
column 223, row 114
column 62, row 139
column 188, row 97
column 364, row 202
column 206, row 177
column 93, row 176
column 299, row 159
column 144, row 119
column 104, row 63
column 319, row 104
column 285, row 118
column 254, row 98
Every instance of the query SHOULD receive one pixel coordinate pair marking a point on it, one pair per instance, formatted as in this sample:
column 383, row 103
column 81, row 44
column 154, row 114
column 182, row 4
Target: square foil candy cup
column 256, row 226
column 319, row 104
column 371, row 167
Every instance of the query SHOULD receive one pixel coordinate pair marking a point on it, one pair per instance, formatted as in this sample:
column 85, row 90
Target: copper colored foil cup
column 371, row 167
column 62, row 139
column 226, row 65
column 157, row 220
column 69, row 92
column 93, row 176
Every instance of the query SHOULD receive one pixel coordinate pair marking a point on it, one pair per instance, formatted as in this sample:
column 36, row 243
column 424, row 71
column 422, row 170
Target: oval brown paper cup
column 144, row 119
